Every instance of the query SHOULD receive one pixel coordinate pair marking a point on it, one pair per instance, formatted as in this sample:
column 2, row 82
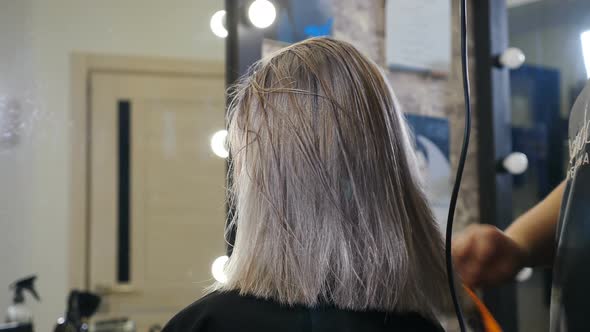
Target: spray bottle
column 81, row 305
column 18, row 312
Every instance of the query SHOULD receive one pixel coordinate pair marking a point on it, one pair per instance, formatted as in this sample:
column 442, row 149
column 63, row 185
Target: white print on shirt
column 577, row 147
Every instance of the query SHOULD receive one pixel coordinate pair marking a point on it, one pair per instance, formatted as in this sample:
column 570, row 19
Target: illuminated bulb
column 512, row 58
column 218, row 144
column 585, row 37
column 217, row 25
column 516, row 163
column 262, row 13
column 524, row 274
column 218, row 267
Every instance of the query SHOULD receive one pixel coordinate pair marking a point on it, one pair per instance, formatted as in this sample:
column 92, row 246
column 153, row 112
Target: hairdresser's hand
column 485, row 256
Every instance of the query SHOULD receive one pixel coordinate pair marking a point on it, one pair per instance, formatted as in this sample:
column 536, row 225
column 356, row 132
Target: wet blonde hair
column 328, row 204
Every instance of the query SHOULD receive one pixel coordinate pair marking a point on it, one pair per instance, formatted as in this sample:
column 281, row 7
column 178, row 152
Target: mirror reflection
column 112, row 157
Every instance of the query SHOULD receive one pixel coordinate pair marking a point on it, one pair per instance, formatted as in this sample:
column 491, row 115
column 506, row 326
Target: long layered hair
column 329, row 206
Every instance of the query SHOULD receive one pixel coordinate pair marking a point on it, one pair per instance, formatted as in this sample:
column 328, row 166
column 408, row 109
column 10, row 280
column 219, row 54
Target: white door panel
column 176, row 192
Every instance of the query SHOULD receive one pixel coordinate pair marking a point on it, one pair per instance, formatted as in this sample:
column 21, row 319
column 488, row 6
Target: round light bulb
column 512, row 58
column 218, row 144
column 516, row 163
column 217, row 25
column 524, row 274
column 218, row 269
column 262, row 13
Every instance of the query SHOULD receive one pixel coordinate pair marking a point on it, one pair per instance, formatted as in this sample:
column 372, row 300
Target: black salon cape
column 224, row 312
column 570, row 296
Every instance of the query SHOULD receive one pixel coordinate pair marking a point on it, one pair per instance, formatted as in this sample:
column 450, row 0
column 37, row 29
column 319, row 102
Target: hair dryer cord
column 460, row 167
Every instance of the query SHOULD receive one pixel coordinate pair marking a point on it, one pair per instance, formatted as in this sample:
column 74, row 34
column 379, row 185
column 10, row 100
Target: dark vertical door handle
column 124, row 191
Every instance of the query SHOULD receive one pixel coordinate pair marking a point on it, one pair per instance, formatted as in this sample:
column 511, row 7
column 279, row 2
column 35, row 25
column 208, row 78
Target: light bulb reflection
column 524, row 274
column 516, row 163
column 585, row 36
column 218, row 144
column 217, row 25
column 262, row 13
column 218, row 269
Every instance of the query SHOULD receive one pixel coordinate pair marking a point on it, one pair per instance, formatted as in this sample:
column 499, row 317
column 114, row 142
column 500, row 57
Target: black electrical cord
column 460, row 166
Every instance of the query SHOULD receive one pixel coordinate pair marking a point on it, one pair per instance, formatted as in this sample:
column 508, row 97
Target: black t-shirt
column 224, row 312
column 570, row 308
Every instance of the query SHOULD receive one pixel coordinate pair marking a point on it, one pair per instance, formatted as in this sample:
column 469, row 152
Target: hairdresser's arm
column 535, row 230
column 485, row 256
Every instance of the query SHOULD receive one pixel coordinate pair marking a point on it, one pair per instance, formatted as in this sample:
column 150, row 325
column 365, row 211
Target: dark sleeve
column 415, row 322
column 186, row 322
column 194, row 318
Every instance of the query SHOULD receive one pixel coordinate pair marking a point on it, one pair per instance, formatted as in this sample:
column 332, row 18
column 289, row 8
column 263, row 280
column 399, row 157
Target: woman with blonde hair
column 333, row 230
